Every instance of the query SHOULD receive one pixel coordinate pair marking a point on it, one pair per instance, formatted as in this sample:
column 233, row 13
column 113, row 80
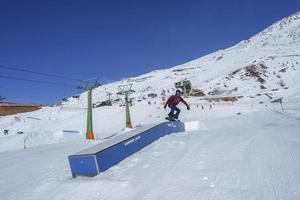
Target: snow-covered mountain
column 260, row 69
column 228, row 151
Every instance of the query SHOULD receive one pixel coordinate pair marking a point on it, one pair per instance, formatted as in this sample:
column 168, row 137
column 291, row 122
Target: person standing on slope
column 172, row 103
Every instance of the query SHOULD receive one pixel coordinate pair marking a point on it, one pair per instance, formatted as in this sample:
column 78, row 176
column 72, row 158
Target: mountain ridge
column 260, row 69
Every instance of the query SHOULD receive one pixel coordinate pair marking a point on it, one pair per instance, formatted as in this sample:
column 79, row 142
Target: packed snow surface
column 228, row 152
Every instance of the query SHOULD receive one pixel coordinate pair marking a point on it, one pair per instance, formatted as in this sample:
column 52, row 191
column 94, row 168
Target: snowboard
column 172, row 119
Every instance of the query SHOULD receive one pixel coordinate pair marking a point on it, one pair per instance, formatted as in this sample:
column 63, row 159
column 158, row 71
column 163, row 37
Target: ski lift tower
column 126, row 90
column 185, row 85
column 89, row 129
column 108, row 95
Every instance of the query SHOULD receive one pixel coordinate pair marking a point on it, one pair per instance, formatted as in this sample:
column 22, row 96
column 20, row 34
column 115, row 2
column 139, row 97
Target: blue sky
column 115, row 39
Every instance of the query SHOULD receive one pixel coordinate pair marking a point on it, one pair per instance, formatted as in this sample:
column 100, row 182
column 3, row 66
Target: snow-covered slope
column 247, row 149
column 254, row 155
column 260, row 69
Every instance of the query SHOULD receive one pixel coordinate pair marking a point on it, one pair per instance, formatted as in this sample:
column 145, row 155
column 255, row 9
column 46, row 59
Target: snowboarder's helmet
column 178, row 92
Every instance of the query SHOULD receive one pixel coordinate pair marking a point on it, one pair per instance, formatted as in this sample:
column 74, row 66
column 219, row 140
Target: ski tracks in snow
column 251, row 156
column 245, row 157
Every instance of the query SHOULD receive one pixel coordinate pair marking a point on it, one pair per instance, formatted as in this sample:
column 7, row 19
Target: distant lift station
column 100, row 157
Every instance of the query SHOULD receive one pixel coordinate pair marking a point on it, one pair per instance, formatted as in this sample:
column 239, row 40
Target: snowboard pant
column 174, row 108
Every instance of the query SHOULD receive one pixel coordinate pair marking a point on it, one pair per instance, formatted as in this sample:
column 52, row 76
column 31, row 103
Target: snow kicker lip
column 96, row 159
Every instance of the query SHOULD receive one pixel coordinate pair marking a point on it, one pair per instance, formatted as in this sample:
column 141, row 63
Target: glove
column 188, row 108
column 165, row 106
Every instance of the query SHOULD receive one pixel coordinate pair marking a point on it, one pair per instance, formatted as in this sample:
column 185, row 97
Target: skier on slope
column 172, row 103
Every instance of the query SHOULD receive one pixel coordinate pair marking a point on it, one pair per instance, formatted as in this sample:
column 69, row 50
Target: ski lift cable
column 38, row 81
column 40, row 73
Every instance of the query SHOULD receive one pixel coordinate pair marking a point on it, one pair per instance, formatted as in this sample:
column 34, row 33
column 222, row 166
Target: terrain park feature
column 98, row 158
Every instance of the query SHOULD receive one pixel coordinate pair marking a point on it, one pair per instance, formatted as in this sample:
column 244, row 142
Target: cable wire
column 38, row 81
column 40, row 73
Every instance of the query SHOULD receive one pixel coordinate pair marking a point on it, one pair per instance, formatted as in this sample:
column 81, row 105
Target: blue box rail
column 100, row 157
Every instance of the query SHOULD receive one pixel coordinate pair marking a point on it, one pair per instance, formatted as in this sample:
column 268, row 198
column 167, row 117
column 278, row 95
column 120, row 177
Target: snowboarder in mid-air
column 172, row 103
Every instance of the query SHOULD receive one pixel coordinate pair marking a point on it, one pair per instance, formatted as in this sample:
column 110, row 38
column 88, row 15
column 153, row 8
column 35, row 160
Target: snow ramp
column 96, row 159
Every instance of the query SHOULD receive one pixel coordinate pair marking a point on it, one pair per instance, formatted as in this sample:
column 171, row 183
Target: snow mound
column 194, row 126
